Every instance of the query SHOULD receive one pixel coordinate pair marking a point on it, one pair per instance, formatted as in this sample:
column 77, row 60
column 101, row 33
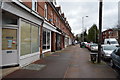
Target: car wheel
column 112, row 64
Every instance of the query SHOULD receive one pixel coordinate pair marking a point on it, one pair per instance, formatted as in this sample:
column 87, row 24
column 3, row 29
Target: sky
column 74, row 10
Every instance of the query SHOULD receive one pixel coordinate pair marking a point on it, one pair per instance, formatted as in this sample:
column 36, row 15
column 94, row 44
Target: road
column 72, row 62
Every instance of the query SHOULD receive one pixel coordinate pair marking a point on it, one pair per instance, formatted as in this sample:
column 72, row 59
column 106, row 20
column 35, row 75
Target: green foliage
column 93, row 34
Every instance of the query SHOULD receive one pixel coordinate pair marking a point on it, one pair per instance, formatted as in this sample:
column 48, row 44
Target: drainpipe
column 41, row 39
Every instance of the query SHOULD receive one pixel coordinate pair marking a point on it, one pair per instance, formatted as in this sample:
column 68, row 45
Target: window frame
column 34, row 5
column 31, row 25
column 45, row 11
column 46, row 30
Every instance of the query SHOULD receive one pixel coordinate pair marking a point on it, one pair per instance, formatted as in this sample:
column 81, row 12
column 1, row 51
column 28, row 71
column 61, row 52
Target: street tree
column 93, row 34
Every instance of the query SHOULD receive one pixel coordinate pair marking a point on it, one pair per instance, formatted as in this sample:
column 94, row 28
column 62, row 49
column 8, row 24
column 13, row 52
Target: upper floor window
column 52, row 16
column 34, row 5
column 45, row 11
column 56, row 21
column 59, row 23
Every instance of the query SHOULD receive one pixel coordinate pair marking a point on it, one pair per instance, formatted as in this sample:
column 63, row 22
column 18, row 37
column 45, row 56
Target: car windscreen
column 94, row 45
column 113, row 42
column 109, row 47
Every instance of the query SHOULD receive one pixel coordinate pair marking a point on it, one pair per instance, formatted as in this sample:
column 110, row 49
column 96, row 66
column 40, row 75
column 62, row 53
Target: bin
column 93, row 57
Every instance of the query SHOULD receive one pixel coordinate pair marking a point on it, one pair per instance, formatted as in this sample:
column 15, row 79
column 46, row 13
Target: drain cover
column 36, row 67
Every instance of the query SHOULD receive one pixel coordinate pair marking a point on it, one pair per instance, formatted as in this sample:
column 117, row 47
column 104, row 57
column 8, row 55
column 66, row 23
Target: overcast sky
column 74, row 10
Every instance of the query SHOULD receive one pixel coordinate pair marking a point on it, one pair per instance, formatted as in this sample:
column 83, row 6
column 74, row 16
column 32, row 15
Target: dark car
column 115, row 61
column 82, row 44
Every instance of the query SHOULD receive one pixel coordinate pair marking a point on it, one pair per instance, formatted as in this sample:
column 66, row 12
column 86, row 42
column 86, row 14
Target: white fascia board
column 50, row 27
column 49, row 24
column 17, row 10
column 26, row 8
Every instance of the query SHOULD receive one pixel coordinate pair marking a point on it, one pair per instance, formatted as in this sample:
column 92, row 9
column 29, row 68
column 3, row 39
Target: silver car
column 107, row 50
column 94, row 47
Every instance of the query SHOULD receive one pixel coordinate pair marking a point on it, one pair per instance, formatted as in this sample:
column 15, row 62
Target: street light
column 83, row 27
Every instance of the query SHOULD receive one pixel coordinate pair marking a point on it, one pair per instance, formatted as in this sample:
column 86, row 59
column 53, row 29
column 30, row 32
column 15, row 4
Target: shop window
column 29, row 38
column 25, row 38
column 46, row 39
column 34, row 40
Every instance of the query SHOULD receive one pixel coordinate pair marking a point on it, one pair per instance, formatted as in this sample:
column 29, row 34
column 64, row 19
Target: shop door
column 58, row 44
column 9, row 47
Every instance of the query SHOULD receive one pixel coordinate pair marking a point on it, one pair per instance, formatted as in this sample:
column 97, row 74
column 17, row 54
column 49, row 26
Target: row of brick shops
column 25, row 35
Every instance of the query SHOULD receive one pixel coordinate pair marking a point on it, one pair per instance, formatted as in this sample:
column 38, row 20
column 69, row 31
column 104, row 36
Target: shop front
column 46, row 46
column 10, row 39
column 66, row 40
column 58, row 41
column 20, row 36
column 49, row 37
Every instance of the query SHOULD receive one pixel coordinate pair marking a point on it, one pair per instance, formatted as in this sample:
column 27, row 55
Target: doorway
column 10, row 54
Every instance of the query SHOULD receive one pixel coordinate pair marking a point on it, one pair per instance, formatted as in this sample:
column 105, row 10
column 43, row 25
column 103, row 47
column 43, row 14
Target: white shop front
column 20, row 35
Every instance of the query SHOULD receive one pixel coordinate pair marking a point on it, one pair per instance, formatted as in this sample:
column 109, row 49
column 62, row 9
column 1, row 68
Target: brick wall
column 28, row 3
column 51, row 15
column 41, row 8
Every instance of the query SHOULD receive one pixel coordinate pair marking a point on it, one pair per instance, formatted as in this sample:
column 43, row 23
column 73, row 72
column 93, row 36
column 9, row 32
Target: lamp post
column 83, row 27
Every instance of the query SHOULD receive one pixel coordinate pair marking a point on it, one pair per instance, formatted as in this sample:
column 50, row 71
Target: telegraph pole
column 100, row 31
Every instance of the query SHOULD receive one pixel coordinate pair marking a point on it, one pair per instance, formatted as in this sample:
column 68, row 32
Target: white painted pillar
column 0, row 42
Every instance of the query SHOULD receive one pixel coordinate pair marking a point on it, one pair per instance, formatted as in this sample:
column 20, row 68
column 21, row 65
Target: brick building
column 110, row 33
column 30, row 29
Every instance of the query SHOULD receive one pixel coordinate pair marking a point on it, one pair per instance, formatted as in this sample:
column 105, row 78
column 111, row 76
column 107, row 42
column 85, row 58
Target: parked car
column 107, row 51
column 87, row 45
column 111, row 41
column 94, row 47
column 115, row 58
column 83, row 44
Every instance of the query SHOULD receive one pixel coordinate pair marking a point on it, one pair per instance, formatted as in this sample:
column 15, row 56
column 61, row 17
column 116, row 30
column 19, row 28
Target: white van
column 111, row 41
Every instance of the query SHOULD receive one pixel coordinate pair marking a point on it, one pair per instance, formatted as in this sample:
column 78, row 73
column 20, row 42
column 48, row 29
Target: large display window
column 46, row 39
column 29, row 38
column 25, row 38
column 34, row 39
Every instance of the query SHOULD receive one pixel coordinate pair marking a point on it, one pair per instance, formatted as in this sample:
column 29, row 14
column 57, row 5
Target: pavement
column 72, row 62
